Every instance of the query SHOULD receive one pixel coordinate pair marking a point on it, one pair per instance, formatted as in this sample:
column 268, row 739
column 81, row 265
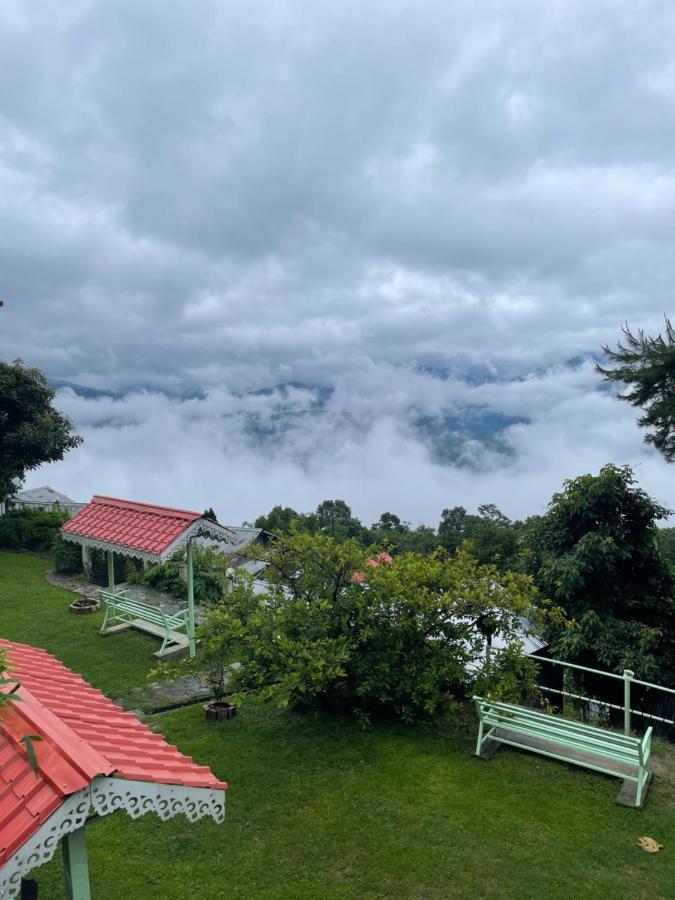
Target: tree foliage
column 209, row 575
column 493, row 536
column 368, row 634
column 32, row 432
column 490, row 536
column 595, row 554
column 67, row 556
column 647, row 366
column 30, row 529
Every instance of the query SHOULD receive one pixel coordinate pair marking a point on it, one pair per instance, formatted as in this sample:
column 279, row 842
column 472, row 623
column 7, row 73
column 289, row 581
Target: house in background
column 41, row 498
column 246, row 541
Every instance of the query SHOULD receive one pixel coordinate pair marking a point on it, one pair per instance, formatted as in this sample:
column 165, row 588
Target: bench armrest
column 645, row 746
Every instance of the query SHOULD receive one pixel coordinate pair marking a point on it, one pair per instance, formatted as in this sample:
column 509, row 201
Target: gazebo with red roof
column 92, row 758
column 147, row 532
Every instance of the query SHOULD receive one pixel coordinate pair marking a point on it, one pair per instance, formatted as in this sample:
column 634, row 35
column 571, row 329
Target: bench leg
column 634, row 793
column 165, row 641
column 106, row 617
column 480, row 738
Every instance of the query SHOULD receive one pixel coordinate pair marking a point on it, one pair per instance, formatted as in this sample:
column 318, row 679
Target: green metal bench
column 123, row 612
column 610, row 752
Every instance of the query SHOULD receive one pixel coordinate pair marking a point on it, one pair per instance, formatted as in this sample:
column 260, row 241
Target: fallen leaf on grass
column 649, row 844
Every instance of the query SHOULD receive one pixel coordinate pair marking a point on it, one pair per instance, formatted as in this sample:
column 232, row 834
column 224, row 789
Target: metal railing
column 628, row 678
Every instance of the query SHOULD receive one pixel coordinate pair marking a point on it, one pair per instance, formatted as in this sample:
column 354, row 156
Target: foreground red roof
column 139, row 526
column 82, row 734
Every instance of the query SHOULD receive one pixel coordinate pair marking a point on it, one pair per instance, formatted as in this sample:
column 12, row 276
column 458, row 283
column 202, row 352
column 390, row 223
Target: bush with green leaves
column 30, row 529
column 98, row 573
column 209, row 573
column 67, row 556
column 367, row 634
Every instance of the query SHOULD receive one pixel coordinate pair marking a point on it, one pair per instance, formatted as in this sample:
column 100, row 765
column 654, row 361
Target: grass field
column 35, row 612
column 320, row 808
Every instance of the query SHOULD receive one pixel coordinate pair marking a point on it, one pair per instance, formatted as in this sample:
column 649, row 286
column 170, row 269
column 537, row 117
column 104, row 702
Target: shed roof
column 139, row 529
column 83, row 736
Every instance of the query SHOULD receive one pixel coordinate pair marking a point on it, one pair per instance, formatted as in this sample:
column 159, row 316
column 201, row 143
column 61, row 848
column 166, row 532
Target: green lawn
column 35, row 612
column 320, row 808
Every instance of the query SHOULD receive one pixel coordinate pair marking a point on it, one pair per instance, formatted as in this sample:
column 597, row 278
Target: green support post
column 75, row 866
column 111, row 572
column 627, row 675
column 191, row 601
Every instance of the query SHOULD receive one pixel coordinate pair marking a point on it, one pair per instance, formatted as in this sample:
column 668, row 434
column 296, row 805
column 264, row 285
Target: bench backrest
column 143, row 610
column 568, row 732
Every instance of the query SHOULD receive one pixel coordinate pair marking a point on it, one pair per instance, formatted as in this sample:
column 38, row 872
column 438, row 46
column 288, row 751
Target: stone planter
column 220, row 710
column 85, row 606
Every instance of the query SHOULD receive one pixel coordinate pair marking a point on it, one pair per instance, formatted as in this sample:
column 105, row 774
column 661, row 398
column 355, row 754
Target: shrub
column 67, row 556
column 98, row 574
column 208, row 573
column 360, row 634
column 30, row 529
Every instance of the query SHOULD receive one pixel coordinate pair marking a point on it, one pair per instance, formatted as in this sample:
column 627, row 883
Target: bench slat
column 539, row 729
column 121, row 608
column 523, row 711
column 585, row 764
column 632, row 760
column 610, row 752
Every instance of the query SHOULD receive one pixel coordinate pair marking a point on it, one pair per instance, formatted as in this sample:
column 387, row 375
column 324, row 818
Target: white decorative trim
column 137, row 798
column 200, row 528
column 104, row 796
column 41, row 847
column 109, row 545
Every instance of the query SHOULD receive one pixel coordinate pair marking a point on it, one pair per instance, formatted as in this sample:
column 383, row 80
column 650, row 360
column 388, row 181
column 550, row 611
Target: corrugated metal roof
column 243, row 537
column 82, row 735
column 253, row 566
column 44, row 496
column 525, row 633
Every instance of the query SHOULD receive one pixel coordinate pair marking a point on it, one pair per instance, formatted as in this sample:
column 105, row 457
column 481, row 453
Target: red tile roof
column 83, row 734
column 141, row 526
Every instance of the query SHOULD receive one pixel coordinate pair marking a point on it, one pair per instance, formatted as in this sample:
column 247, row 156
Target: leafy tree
column 490, row 513
column 67, row 556
column 595, row 554
column 331, row 512
column 210, row 514
column 666, row 539
column 647, row 366
column 389, row 522
column 32, row 432
column 30, row 529
column 366, row 635
column 452, row 529
column 490, row 536
column 279, row 520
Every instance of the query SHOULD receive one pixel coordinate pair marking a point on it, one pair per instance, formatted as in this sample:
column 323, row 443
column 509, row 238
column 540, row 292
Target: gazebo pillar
column 75, row 865
column 191, row 600
column 111, row 572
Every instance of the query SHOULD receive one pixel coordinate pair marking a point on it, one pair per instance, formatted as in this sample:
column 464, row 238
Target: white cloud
column 361, row 446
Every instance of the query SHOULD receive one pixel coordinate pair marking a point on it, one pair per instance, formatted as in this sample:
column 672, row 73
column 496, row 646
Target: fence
column 629, row 683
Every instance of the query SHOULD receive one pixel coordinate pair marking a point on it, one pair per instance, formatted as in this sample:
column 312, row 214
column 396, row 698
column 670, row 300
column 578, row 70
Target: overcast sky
column 425, row 206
